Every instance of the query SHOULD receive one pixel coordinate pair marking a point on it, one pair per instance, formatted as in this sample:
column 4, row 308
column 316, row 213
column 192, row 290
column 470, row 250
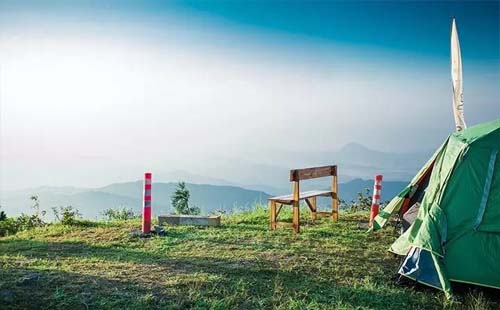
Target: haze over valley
column 235, row 185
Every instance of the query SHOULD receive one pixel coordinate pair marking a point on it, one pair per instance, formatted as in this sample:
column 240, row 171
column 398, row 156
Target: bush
column 25, row 221
column 363, row 201
column 120, row 214
column 3, row 216
column 66, row 215
column 8, row 226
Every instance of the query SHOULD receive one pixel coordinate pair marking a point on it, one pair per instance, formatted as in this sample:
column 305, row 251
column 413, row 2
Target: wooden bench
column 296, row 175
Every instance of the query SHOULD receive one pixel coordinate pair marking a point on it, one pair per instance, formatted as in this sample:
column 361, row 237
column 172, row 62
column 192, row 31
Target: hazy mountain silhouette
column 210, row 198
column 234, row 183
column 269, row 171
column 357, row 161
column 91, row 202
column 349, row 190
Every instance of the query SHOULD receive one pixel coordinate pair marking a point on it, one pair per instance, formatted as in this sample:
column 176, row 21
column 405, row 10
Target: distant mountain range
column 269, row 171
column 233, row 183
column 349, row 190
column 358, row 161
column 92, row 201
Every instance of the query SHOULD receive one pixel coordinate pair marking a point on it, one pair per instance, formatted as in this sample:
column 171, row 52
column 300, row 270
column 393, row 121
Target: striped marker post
column 146, row 210
column 377, row 187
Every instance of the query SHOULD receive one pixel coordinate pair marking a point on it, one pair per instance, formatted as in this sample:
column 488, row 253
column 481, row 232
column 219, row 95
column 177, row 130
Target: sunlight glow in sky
column 103, row 92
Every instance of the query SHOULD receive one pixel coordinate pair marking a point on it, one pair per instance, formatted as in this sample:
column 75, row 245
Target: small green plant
column 180, row 201
column 8, row 226
column 66, row 215
column 342, row 203
column 25, row 222
column 36, row 206
column 363, row 201
column 3, row 216
column 220, row 212
column 120, row 214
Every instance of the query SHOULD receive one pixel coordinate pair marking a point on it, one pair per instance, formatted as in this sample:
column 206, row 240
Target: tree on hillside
column 180, row 201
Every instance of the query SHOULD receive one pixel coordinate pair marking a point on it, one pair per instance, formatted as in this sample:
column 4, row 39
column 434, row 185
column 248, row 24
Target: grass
column 239, row 265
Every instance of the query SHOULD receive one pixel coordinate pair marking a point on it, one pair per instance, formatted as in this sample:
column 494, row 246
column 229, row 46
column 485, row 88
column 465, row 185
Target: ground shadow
column 262, row 284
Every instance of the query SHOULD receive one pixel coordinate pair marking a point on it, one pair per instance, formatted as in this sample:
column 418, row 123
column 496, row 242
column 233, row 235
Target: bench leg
column 335, row 210
column 296, row 217
column 272, row 210
column 314, row 208
column 335, row 199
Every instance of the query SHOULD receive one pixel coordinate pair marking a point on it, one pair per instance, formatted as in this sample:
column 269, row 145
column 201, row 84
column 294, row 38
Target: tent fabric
column 410, row 216
column 458, row 222
column 486, row 190
column 396, row 203
column 419, row 266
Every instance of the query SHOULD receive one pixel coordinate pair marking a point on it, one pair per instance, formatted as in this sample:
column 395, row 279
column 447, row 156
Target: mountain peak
column 355, row 147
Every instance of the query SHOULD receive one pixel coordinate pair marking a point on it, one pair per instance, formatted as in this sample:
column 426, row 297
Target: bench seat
column 276, row 203
column 288, row 199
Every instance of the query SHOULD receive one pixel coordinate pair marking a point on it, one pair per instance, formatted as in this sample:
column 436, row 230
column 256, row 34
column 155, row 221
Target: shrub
column 3, row 216
column 66, row 215
column 343, row 204
column 363, row 201
column 180, row 201
column 25, row 221
column 8, row 226
column 120, row 214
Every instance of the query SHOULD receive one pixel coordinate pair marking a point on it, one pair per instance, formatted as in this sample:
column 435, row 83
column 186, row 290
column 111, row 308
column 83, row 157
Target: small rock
column 160, row 231
column 7, row 296
column 28, row 279
column 363, row 226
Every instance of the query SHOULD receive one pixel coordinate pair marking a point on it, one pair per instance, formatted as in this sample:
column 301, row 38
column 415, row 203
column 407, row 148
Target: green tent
column 455, row 235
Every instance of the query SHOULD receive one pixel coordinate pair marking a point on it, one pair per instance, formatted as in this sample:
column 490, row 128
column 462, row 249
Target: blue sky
column 203, row 77
column 408, row 27
column 404, row 26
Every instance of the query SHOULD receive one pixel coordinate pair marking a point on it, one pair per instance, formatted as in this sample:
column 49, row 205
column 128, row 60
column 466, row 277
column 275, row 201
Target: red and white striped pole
column 377, row 187
column 146, row 210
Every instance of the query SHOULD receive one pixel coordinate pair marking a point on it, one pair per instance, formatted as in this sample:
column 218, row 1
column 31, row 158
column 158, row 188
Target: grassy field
column 240, row 265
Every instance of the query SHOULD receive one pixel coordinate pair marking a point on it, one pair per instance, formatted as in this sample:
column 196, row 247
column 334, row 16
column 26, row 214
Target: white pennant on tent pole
column 456, row 76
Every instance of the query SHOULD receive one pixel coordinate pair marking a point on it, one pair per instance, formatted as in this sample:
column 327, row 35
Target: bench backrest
column 297, row 175
column 312, row 173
